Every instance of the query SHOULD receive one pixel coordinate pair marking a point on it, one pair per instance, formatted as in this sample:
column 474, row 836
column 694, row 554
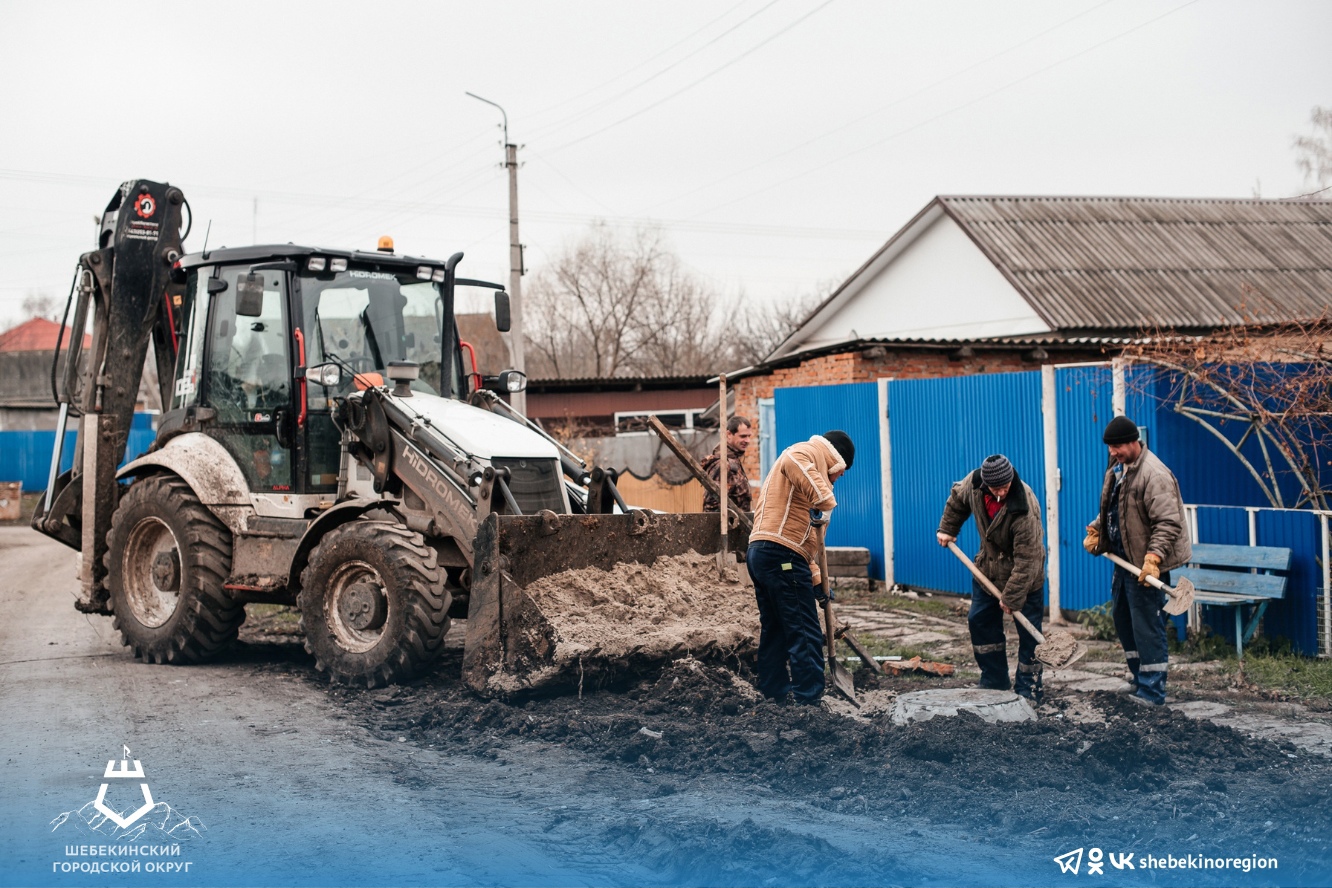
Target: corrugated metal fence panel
column 26, row 456
column 1295, row 616
column 803, row 412
column 1083, row 405
column 941, row 430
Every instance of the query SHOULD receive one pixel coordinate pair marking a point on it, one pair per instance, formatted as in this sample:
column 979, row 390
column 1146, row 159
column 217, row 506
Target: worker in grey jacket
column 1141, row 520
column 1012, row 556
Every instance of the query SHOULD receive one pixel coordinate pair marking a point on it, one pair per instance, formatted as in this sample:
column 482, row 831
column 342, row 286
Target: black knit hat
column 1121, row 430
column 841, row 442
column 996, row 471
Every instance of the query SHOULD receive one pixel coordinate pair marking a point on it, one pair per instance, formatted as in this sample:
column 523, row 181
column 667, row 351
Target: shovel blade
column 1182, row 600
column 1060, row 650
column 842, row 681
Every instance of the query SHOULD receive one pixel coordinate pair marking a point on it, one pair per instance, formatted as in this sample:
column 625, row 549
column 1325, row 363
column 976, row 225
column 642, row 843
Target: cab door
column 249, row 377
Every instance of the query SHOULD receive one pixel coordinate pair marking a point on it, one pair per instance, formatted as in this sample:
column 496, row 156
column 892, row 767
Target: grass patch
column 882, row 647
column 885, row 600
column 280, row 619
column 1290, row 674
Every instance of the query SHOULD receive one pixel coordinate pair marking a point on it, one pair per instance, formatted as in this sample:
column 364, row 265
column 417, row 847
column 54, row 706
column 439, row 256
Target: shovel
column 1179, row 598
column 1058, row 650
column 841, row 677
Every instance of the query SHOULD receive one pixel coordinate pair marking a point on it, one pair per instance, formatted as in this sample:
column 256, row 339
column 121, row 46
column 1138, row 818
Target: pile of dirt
column 674, row 605
column 595, row 624
column 1126, row 774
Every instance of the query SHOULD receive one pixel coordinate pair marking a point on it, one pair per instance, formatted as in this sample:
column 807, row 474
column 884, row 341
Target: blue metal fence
column 940, row 430
column 25, row 456
column 853, row 408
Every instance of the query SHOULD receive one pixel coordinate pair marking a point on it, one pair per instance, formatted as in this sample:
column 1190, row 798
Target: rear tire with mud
column 167, row 560
column 374, row 607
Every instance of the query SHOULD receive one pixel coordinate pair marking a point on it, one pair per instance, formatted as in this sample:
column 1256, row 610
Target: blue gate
column 853, row 408
column 25, row 456
column 940, row 430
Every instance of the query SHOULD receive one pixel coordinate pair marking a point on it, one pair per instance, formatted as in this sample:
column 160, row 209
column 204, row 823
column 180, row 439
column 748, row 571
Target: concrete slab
column 992, row 706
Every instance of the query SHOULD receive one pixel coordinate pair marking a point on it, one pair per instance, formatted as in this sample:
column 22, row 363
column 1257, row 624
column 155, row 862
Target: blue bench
column 1237, row 577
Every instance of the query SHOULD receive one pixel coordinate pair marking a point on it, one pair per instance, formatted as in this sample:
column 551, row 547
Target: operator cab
column 252, row 319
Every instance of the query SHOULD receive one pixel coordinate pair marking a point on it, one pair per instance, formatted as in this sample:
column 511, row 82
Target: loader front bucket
column 562, row 601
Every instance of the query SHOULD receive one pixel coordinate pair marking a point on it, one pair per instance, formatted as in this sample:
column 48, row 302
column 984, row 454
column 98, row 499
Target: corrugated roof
column 1146, row 262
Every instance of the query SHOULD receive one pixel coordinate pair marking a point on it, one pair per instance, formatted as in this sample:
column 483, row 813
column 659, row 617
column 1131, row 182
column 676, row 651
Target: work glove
column 1151, row 567
column 1092, row 541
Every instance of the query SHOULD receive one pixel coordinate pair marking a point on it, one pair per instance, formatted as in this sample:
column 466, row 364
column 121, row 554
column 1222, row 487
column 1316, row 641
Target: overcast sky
column 776, row 143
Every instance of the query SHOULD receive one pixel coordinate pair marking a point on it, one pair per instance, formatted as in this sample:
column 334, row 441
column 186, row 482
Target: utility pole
column 517, row 399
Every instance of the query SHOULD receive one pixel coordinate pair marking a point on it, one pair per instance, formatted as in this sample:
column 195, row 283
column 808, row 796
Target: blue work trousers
column 1141, row 626
column 790, row 654
column 986, row 622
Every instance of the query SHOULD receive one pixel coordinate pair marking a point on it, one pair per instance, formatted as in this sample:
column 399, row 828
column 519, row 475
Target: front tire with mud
column 167, row 560
column 374, row 607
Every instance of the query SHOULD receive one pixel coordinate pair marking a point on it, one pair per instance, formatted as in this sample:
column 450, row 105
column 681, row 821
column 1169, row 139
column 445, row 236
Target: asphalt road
column 285, row 790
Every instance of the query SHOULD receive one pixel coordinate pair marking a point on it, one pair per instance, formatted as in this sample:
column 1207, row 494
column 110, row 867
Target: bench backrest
column 1222, row 568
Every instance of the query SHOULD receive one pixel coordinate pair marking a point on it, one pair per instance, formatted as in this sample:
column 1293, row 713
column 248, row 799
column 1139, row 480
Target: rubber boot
column 1151, row 689
column 994, row 669
column 1028, row 683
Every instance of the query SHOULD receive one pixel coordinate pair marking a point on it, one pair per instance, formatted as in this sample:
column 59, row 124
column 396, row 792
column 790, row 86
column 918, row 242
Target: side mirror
column 513, row 381
column 324, row 374
column 250, row 295
column 503, row 320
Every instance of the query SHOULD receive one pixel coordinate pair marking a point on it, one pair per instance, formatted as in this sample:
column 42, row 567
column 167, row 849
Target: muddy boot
column 1028, row 683
column 1151, row 689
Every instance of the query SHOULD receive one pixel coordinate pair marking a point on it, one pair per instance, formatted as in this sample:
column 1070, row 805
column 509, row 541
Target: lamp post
column 519, row 399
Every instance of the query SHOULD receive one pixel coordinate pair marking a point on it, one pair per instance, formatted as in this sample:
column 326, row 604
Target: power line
column 881, row 108
column 694, row 83
column 943, row 114
column 646, row 61
column 557, row 125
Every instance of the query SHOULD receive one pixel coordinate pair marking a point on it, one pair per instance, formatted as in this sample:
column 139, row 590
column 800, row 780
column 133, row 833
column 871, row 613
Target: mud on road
column 1094, row 770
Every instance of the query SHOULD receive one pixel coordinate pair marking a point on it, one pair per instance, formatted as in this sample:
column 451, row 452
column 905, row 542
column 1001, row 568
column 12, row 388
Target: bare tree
column 40, row 304
column 614, row 305
column 760, row 327
column 1313, row 153
column 1275, row 382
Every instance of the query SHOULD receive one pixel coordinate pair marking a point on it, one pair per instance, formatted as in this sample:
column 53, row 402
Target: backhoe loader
column 323, row 443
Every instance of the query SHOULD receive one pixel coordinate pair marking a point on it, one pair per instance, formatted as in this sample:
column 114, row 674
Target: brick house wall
column 879, row 362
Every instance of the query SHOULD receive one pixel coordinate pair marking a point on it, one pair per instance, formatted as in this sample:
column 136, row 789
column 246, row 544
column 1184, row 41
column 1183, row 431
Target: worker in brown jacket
column 782, row 556
column 1012, row 556
column 1142, row 521
column 739, row 432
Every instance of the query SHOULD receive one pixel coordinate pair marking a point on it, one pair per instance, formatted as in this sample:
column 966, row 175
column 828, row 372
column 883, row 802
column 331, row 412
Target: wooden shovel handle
column 985, row 581
column 821, row 528
column 1128, row 565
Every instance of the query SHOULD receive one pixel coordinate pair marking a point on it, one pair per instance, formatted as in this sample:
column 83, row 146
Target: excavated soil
column 1094, row 769
column 655, row 608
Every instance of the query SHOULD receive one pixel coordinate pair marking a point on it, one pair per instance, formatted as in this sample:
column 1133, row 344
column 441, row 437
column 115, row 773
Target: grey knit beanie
column 996, row 471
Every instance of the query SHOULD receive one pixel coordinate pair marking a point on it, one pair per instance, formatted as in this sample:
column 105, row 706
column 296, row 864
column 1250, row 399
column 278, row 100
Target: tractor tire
column 167, row 560
column 374, row 607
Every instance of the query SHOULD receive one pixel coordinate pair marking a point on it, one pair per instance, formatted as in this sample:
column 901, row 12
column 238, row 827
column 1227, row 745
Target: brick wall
column 870, row 364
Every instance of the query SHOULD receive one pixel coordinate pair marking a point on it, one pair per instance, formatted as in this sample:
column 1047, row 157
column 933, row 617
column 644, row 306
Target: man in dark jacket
column 1142, row 521
column 739, row 432
column 1012, row 556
